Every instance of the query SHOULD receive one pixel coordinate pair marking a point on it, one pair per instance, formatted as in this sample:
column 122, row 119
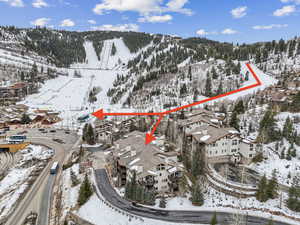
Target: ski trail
column 108, row 54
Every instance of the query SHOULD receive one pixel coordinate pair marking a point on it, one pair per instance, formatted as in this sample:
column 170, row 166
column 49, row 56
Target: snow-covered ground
column 69, row 193
column 16, row 180
column 286, row 170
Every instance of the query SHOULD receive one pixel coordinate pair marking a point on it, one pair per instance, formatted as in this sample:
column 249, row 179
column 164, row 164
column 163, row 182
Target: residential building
column 220, row 145
column 155, row 169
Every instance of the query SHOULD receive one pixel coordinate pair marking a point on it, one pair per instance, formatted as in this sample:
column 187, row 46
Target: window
column 234, row 142
column 233, row 150
column 250, row 155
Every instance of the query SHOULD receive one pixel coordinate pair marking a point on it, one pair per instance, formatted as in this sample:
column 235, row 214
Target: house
column 109, row 130
column 188, row 120
column 220, row 145
column 104, row 130
column 155, row 169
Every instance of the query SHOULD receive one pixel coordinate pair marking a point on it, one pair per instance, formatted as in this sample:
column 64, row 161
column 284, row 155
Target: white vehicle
column 54, row 168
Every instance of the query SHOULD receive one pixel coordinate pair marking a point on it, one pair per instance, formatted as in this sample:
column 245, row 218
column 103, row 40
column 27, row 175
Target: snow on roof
column 233, row 131
column 173, row 169
column 205, row 138
column 134, row 161
column 152, row 172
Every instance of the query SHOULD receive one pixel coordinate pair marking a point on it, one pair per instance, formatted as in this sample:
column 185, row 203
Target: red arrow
column 150, row 136
column 100, row 114
column 258, row 83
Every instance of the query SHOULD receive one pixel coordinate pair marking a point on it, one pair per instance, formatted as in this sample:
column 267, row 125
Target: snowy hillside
column 69, row 94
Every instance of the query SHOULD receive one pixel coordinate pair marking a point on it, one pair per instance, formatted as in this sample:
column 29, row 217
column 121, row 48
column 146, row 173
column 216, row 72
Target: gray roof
column 134, row 154
column 210, row 134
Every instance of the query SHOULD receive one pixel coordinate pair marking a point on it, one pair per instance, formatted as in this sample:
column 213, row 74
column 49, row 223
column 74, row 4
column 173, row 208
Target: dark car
column 58, row 140
column 52, row 131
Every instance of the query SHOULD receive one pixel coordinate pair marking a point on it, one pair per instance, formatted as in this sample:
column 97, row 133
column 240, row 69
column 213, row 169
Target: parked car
column 58, row 140
column 52, row 131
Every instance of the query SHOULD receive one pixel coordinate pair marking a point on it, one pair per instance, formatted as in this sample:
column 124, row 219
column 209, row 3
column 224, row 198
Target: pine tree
column 272, row 187
column 282, row 155
column 293, row 202
column 267, row 129
column 234, row 121
column 288, row 128
column 33, row 72
column 84, row 132
column 113, row 49
column 74, row 179
column 197, row 196
column 239, row 107
column 208, row 87
column 128, row 190
column 197, row 164
column 295, row 105
column 289, row 155
column 261, row 192
column 190, row 73
column 25, row 119
column 214, row 73
column 85, row 191
column 89, row 135
column 214, row 220
column 293, row 152
column 162, row 202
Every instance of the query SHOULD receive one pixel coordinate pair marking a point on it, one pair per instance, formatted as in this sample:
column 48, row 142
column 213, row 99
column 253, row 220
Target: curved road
column 202, row 217
column 37, row 198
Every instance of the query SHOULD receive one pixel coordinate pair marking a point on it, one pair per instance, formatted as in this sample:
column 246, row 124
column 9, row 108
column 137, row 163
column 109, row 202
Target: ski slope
column 69, row 95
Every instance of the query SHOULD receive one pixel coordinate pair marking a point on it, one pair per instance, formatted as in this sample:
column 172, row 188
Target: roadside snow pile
column 14, row 184
column 70, row 192
column 36, row 152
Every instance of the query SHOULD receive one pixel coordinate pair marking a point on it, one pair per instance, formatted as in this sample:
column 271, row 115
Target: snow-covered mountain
column 144, row 70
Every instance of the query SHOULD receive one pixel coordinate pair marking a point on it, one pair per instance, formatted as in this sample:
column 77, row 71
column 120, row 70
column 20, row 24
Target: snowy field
column 16, row 180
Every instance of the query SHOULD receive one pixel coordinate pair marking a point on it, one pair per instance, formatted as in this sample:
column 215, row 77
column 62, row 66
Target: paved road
column 45, row 201
column 201, row 217
column 37, row 199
